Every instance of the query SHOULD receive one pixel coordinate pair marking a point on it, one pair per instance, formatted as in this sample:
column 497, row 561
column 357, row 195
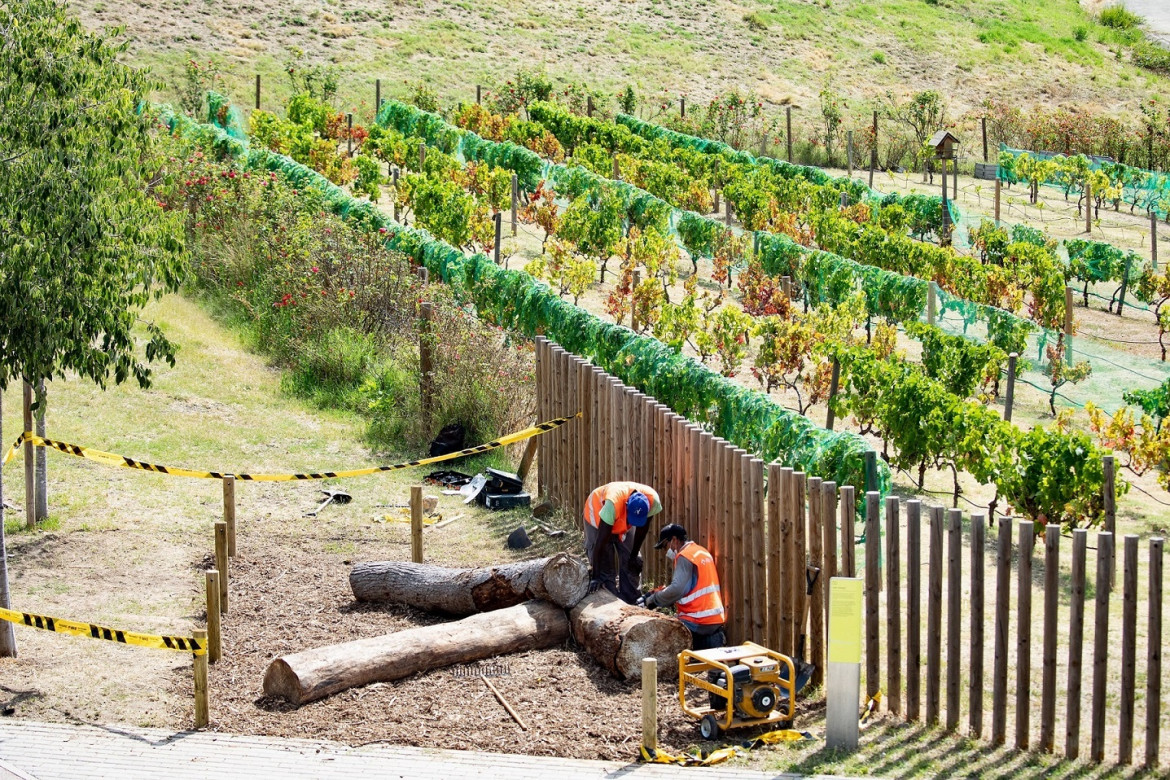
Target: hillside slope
column 786, row 50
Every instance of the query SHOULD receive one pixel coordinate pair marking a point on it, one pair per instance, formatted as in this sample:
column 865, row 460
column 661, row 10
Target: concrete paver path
column 54, row 751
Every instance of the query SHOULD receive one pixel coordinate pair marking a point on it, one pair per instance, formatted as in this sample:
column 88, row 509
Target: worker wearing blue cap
column 616, row 521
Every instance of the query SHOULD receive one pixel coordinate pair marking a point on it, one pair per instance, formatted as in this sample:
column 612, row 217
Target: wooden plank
column 1003, row 584
column 1076, row 634
column 787, row 621
column 872, row 580
column 848, row 537
column 542, row 442
column 1108, row 489
column 934, row 616
column 954, row 610
column 893, row 608
column 1154, row 655
column 913, row 608
column 1051, row 630
column 741, row 487
column 581, row 448
column 776, row 486
column 816, row 629
column 975, row 695
column 694, row 437
column 759, row 556
column 1129, row 587
column 829, row 521
column 1024, row 635
column 799, row 556
column 1101, row 646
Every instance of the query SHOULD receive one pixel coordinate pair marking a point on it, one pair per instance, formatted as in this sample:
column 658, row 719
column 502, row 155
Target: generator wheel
column 709, row 727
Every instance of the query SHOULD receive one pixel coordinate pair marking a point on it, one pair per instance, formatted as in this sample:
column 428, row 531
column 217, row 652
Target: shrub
column 1119, row 18
column 1152, row 56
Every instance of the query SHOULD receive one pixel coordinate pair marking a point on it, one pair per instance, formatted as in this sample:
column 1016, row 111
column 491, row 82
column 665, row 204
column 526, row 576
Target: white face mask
column 671, row 554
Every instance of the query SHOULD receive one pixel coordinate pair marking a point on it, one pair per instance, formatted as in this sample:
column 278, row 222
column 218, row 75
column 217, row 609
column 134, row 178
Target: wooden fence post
column 1003, row 584
column 1129, row 588
column 760, row 606
column 498, row 220
column 783, row 564
column 873, row 536
column 1051, row 628
column 1154, row 655
column 1088, row 207
column 416, row 523
column 978, row 534
column 349, row 135
column 221, row 564
column 229, row 512
column 934, row 616
column 931, row 304
column 478, row 93
column 1109, row 497
column 1024, row 635
column 873, row 152
column 788, row 134
column 637, row 280
column 202, row 709
column 257, row 91
column 848, row 540
column 800, row 554
column 913, row 608
column 214, row 640
column 1101, row 645
column 1010, row 396
column 829, row 518
column 816, row 559
column 515, row 204
column 954, row 609
column 650, row 703
column 1076, row 634
column 893, row 609
column 983, row 123
column 998, row 196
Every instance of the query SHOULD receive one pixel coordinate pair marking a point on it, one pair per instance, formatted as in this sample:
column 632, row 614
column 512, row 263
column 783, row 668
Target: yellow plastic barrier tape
column 688, row 759
column 60, row 626
column 111, row 459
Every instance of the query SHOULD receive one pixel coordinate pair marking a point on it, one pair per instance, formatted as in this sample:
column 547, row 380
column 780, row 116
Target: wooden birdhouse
column 944, row 144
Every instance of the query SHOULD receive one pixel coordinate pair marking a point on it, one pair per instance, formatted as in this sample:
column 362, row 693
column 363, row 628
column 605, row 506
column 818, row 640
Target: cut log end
column 566, row 580
column 620, row 635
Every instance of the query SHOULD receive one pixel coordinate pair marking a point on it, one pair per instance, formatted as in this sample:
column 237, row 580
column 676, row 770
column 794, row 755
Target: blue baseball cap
column 637, row 509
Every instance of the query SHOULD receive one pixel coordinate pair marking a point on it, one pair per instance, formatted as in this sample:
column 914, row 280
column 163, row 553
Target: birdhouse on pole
column 944, row 144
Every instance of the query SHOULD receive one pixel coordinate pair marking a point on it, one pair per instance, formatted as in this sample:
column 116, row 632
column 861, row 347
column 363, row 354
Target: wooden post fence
column 954, row 607
column 214, row 641
column 229, row 512
column 893, row 609
column 934, row 617
column 202, row 709
column 221, row 564
column 872, row 578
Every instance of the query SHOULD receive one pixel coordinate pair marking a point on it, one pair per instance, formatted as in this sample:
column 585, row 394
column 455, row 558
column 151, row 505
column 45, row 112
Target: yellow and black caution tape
column 871, row 706
column 703, row 758
column 112, row 459
column 93, row 631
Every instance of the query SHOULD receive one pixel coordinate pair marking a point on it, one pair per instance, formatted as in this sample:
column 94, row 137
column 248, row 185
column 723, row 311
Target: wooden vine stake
column 214, row 641
column 229, row 512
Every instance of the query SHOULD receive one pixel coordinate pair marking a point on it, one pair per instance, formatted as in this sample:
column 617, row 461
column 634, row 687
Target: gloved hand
column 636, row 564
column 594, row 585
column 649, row 601
column 641, row 602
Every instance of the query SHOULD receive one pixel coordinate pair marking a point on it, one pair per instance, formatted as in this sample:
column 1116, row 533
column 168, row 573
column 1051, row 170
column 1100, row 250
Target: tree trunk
column 561, row 579
column 319, row 672
column 7, row 635
column 42, row 476
column 620, row 635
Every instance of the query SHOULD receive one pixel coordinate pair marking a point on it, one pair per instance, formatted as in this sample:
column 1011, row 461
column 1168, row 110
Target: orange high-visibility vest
column 618, row 493
column 703, row 604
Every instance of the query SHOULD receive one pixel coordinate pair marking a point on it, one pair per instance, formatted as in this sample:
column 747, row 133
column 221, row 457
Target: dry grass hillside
column 1051, row 52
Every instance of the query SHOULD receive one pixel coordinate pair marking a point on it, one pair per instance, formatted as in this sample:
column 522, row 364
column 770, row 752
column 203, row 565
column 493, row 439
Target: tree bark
column 42, row 476
column 620, row 635
column 561, row 579
column 7, row 634
column 313, row 674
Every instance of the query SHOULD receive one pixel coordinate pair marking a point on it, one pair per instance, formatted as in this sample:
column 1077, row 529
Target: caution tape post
column 221, row 563
column 202, row 710
column 214, row 639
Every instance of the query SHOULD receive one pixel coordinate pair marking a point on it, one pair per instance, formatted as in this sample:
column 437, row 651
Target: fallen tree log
column 561, row 579
column 620, row 635
column 322, row 671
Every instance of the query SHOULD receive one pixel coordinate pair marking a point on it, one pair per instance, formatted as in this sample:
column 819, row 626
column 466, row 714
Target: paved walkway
column 53, row 751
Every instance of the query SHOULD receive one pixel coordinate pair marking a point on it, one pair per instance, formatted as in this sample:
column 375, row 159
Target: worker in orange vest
column 693, row 590
column 616, row 517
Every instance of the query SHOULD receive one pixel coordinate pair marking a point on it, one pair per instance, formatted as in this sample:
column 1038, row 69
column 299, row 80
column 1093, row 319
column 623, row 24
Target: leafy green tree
column 83, row 243
column 595, row 225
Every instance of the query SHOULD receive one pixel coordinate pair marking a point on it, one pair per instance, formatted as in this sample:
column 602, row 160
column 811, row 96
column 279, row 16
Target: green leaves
column 83, row 242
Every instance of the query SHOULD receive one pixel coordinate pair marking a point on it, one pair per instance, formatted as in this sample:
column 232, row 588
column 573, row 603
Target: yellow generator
column 747, row 685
